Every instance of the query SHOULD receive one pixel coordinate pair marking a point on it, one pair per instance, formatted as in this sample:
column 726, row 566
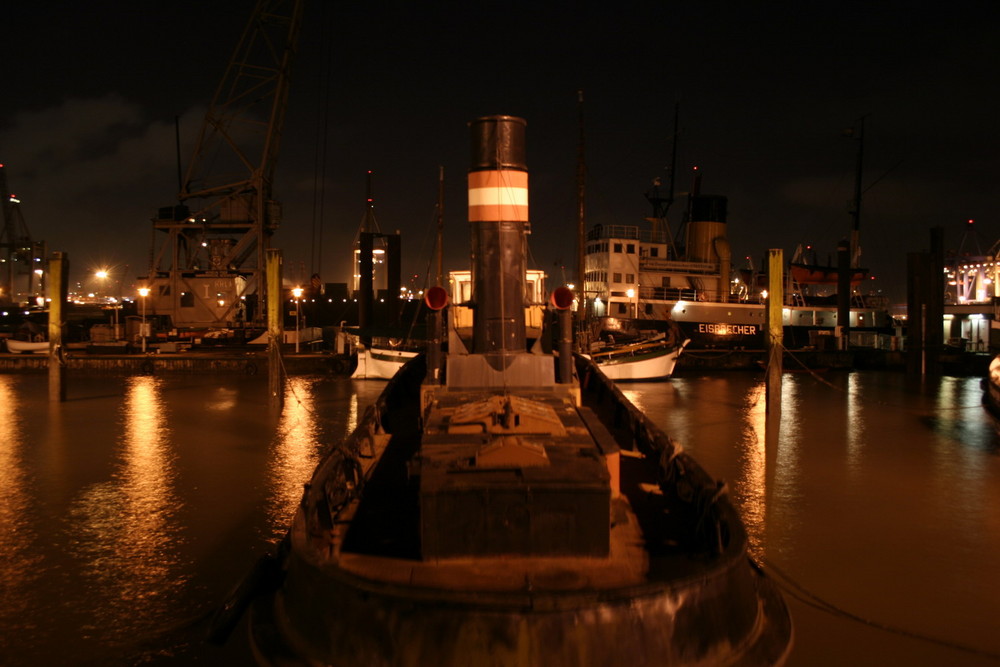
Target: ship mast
column 857, row 133
column 662, row 204
column 440, row 228
column 581, row 225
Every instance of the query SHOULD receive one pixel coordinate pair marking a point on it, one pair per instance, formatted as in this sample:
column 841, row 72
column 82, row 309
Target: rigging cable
column 804, row 595
column 807, row 597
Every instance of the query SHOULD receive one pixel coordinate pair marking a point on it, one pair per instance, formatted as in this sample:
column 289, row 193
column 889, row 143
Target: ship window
column 630, row 249
column 654, row 252
column 649, row 309
column 618, row 247
column 622, row 308
column 187, row 299
column 630, row 277
column 164, row 290
column 616, row 277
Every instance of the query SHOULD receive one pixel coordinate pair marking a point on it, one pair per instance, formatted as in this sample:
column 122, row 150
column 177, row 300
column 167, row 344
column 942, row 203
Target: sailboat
column 500, row 505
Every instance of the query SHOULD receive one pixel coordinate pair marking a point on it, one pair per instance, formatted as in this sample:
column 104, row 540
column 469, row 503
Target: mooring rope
column 804, row 595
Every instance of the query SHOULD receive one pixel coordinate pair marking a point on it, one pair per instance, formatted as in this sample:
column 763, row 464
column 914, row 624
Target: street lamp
column 297, row 293
column 143, row 292
column 103, row 275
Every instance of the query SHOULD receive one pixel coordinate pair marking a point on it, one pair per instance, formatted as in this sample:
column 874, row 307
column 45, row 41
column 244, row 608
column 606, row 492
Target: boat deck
column 379, row 539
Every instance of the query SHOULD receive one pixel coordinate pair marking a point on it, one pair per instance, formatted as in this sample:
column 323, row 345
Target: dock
column 228, row 361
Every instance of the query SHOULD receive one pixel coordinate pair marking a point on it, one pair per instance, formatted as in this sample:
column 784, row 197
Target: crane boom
column 209, row 267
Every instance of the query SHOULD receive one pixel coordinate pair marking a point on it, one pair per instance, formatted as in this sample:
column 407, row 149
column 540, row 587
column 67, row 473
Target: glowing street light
column 143, row 292
column 297, row 293
column 102, row 275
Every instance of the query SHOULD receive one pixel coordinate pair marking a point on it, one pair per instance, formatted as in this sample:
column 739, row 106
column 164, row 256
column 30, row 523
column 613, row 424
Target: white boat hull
column 380, row 364
column 27, row 347
column 643, row 365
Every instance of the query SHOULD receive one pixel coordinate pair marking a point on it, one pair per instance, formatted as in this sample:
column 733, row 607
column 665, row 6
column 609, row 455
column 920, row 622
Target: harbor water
column 131, row 510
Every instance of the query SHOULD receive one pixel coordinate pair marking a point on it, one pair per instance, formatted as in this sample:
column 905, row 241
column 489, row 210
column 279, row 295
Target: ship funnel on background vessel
column 498, row 214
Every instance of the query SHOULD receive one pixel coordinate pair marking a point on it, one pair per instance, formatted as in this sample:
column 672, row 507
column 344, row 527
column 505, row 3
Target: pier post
column 58, row 282
column 934, row 299
column 917, row 278
column 775, row 305
column 844, row 273
column 275, row 328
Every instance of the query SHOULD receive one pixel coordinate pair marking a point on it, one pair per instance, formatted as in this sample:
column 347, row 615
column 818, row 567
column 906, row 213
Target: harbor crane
column 208, row 268
column 22, row 257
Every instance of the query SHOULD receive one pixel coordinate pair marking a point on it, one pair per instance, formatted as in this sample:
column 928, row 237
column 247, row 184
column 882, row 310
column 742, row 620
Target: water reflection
column 750, row 493
column 962, row 471
column 126, row 531
column 855, row 418
column 20, row 556
column 295, row 452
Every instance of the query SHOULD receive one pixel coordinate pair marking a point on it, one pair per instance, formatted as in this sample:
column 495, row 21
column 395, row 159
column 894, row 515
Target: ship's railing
column 674, row 266
column 626, row 232
column 649, row 293
column 705, row 502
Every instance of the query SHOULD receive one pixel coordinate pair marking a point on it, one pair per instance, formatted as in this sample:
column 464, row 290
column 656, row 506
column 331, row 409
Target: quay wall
column 132, row 364
column 329, row 364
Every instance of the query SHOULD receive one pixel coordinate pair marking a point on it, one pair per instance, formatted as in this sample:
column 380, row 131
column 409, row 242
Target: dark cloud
column 765, row 90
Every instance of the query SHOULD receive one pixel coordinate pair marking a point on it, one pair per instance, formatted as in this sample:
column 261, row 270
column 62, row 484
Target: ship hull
column 676, row 587
column 734, row 616
column 714, row 325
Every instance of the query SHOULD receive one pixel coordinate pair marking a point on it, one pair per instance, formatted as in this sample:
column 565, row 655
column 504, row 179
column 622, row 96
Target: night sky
column 765, row 91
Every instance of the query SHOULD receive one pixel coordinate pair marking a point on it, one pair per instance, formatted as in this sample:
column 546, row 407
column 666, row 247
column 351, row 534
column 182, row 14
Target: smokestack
column 498, row 214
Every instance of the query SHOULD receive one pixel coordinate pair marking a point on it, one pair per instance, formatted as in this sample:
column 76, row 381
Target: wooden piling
column 275, row 328
column 917, row 287
column 775, row 331
column 58, row 283
column 934, row 309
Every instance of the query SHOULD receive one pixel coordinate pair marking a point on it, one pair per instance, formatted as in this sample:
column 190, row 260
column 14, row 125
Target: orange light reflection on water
column 753, row 468
column 126, row 529
column 855, row 419
column 295, row 452
column 19, row 556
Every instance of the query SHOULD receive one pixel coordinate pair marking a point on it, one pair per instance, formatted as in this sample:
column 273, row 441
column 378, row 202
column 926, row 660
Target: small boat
column 15, row 346
column 649, row 359
column 380, row 363
column 504, row 506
